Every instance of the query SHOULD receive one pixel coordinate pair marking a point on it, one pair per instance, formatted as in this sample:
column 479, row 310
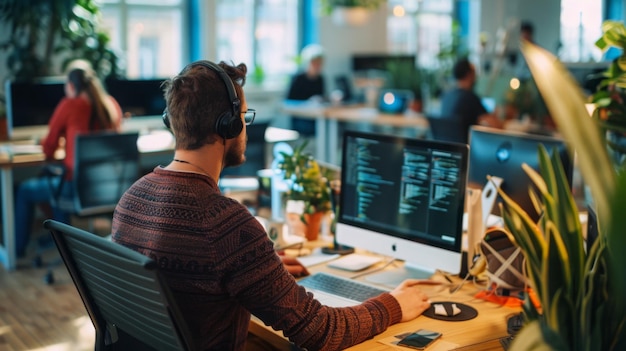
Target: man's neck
column 209, row 158
column 465, row 85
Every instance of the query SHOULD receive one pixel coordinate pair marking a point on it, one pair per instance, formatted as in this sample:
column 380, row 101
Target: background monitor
column 403, row 198
column 382, row 62
column 31, row 103
column 138, row 97
column 501, row 153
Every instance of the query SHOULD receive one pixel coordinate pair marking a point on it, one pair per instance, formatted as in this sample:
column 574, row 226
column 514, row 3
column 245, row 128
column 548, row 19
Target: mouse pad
column 467, row 312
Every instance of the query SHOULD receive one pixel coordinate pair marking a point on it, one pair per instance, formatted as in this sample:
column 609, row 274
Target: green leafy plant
column 328, row 6
column 306, row 181
column 581, row 293
column 610, row 97
column 42, row 30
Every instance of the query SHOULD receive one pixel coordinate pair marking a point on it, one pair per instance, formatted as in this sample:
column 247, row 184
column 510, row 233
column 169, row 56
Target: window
column 420, row 27
column 147, row 34
column 261, row 33
column 581, row 26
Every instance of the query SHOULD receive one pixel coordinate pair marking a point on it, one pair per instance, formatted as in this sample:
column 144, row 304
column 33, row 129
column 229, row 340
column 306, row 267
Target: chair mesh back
column 444, row 129
column 105, row 166
column 121, row 289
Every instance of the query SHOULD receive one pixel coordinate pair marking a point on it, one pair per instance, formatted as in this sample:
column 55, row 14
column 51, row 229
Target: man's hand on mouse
column 294, row 266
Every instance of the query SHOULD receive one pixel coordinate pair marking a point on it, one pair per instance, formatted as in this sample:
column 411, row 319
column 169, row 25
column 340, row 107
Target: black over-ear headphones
column 228, row 124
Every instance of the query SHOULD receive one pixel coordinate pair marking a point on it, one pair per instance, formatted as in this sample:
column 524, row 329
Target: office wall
column 486, row 16
column 342, row 41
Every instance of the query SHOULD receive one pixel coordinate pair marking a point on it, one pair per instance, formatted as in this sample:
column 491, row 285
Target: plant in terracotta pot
column 308, row 186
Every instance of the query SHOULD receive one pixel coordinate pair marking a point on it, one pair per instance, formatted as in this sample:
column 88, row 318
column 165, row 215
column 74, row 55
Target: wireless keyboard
column 336, row 291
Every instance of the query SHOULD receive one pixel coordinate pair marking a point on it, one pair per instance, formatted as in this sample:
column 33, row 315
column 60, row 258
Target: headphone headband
column 230, row 87
column 228, row 124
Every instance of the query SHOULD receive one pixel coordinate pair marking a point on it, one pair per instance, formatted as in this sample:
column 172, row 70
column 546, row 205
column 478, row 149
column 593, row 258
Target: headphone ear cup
column 228, row 126
column 166, row 119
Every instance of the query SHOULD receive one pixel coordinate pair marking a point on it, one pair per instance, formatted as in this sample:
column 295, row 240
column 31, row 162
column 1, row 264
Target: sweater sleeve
column 56, row 129
column 269, row 292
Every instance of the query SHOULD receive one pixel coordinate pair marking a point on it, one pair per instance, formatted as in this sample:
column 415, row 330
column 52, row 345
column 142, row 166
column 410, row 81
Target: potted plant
column 610, row 98
column 46, row 31
column 308, row 186
column 581, row 292
column 351, row 12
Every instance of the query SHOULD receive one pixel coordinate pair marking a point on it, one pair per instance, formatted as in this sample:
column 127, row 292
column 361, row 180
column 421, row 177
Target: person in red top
column 215, row 256
column 86, row 107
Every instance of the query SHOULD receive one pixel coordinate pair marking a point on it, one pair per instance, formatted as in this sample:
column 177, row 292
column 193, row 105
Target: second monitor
column 403, row 198
column 501, row 153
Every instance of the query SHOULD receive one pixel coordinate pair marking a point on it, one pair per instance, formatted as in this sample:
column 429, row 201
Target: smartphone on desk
column 420, row 339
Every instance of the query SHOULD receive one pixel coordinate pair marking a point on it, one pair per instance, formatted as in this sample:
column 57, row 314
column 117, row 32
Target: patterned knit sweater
column 222, row 267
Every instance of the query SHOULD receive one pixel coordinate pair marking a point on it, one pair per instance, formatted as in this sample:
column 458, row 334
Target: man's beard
column 235, row 155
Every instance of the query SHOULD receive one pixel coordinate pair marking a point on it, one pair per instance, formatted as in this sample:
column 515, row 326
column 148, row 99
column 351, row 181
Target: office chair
column 445, row 129
column 105, row 165
column 123, row 292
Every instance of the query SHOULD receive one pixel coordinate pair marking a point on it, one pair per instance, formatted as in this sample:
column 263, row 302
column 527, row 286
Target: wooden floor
column 35, row 316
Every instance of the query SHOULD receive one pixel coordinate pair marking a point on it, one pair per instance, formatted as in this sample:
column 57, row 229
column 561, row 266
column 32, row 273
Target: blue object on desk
column 394, row 101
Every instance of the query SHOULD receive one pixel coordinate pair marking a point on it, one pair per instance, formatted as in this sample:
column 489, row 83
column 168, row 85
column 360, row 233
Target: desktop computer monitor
column 138, row 97
column 32, row 103
column 404, row 198
column 501, row 153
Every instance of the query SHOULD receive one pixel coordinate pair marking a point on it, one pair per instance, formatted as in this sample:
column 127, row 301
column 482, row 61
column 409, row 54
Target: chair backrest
column 446, row 129
column 106, row 164
column 123, row 292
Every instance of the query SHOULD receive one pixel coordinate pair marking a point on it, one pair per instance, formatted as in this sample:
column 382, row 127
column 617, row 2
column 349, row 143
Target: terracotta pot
column 313, row 225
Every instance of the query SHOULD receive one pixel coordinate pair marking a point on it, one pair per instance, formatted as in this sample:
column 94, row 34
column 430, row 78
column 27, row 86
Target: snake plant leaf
column 616, row 244
column 531, row 338
column 526, row 235
column 556, row 274
column 566, row 103
column 565, row 215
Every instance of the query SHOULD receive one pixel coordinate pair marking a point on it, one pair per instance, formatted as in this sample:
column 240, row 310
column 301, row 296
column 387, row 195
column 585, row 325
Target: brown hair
column 103, row 111
column 195, row 98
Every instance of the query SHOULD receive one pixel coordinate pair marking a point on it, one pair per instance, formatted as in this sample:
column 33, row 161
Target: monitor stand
column 395, row 276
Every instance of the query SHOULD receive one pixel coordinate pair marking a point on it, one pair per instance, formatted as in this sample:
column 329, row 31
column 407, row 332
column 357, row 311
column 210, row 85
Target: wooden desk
column 327, row 120
column 479, row 334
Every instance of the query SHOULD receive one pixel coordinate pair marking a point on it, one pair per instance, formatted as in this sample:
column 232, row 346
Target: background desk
column 480, row 333
column 328, row 117
column 156, row 145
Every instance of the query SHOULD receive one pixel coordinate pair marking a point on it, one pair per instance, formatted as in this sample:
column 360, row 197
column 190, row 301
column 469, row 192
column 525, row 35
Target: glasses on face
column 249, row 115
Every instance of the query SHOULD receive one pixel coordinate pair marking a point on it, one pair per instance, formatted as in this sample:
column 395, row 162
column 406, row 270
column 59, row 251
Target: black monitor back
column 501, row 153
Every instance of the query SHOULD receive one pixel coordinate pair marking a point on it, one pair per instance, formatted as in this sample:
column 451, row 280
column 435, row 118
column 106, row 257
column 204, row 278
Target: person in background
column 215, row 256
column 86, row 107
column 308, row 84
column 462, row 106
column 522, row 72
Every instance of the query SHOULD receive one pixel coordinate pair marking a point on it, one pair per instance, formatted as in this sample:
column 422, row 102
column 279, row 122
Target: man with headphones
column 214, row 254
